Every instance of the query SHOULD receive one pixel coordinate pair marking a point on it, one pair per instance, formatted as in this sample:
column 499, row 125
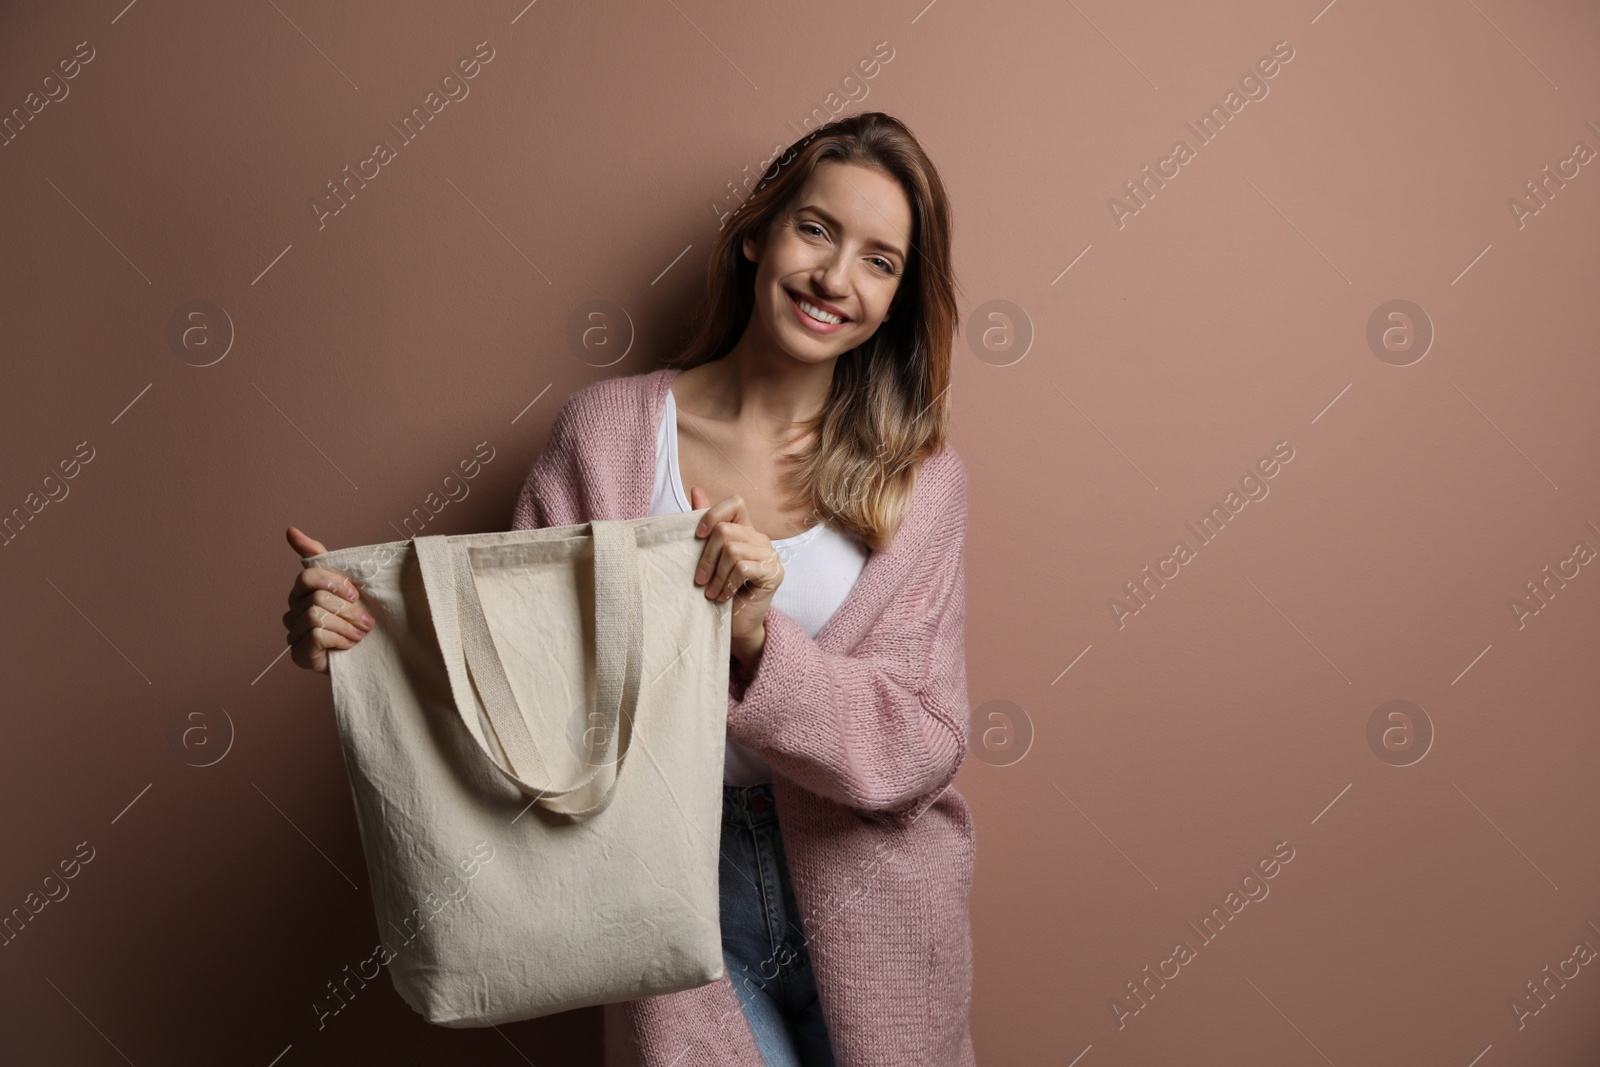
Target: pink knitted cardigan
column 865, row 728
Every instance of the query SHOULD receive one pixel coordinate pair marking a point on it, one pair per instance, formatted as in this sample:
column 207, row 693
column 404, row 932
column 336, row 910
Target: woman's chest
column 726, row 467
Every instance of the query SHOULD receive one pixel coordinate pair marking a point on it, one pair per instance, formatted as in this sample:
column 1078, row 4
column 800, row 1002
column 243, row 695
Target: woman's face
column 841, row 246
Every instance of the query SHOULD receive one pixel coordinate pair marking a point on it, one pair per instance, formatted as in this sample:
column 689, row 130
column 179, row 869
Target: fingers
column 729, row 577
column 323, row 609
column 727, row 519
column 303, row 544
column 728, row 509
column 314, row 641
column 714, row 558
column 742, row 563
column 311, row 651
column 313, row 578
column 735, row 554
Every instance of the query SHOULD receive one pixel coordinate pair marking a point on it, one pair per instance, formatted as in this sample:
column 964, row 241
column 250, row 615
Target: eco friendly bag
column 534, row 733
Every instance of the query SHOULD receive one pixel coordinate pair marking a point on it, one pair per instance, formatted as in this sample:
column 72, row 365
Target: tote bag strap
column 619, row 652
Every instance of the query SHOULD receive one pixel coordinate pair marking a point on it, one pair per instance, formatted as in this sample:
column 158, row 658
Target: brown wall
column 1118, row 378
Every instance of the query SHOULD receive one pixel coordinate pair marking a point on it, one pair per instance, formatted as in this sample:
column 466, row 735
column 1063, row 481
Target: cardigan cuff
column 750, row 720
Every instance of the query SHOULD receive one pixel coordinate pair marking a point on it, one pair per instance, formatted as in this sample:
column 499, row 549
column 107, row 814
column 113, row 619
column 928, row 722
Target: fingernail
column 701, row 529
column 367, row 620
column 699, row 576
column 350, row 591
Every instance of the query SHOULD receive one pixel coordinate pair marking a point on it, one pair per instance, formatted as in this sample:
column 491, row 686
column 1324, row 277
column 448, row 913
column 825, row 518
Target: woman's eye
column 812, row 229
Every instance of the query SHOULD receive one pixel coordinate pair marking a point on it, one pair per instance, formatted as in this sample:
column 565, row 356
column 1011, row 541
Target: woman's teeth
column 817, row 313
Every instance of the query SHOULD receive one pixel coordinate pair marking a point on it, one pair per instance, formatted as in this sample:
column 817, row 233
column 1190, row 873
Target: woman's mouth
column 809, row 318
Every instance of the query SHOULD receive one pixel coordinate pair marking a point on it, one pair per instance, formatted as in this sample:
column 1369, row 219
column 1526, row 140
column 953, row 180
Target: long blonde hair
column 888, row 408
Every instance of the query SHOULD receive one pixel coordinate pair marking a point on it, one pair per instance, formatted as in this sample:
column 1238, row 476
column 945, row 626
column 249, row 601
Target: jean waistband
column 752, row 804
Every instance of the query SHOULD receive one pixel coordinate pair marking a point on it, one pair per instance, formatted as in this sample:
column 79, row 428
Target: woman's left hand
column 739, row 562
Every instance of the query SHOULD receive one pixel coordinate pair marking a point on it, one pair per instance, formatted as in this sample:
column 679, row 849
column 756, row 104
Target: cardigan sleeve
column 883, row 729
column 551, row 492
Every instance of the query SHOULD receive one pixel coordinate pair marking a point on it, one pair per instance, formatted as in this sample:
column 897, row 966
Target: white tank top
column 820, row 567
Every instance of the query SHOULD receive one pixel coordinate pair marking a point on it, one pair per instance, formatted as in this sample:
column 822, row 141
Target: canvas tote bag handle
column 619, row 655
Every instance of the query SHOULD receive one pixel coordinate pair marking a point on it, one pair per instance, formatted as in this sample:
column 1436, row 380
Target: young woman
column 808, row 415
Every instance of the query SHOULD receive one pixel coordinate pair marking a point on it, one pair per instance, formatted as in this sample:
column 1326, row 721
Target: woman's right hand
column 325, row 609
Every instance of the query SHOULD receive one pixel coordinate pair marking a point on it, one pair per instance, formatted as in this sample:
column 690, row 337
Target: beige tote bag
column 534, row 733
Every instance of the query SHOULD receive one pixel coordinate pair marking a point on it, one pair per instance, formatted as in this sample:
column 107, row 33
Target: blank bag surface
column 534, row 734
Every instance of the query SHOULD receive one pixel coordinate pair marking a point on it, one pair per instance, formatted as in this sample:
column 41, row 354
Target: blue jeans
column 763, row 942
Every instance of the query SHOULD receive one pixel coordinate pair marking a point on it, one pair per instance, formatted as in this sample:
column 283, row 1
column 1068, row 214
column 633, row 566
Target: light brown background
column 589, row 162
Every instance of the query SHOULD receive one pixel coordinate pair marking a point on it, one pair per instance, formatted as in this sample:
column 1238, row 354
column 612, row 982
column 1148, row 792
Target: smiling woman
column 808, row 414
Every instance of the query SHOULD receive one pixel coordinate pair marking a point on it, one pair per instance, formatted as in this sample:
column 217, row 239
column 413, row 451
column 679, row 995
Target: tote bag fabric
column 534, row 734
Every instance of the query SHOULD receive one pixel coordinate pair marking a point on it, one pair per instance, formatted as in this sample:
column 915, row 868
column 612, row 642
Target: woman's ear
column 752, row 247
